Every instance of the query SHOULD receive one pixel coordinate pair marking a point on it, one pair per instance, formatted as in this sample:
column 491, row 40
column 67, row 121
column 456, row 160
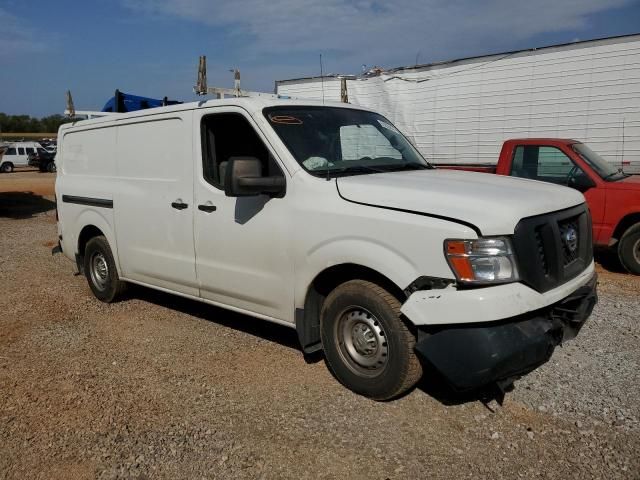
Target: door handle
column 207, row 207
column 179, row 204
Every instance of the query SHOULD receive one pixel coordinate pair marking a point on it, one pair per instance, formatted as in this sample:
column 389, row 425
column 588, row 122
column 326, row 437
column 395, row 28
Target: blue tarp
column 126, row 102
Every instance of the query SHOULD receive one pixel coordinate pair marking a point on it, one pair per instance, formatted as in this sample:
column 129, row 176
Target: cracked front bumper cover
column 472, row 356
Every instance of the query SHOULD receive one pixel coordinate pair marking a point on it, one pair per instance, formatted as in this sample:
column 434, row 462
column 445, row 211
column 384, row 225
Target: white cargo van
column 324, row 218
column 17, row 155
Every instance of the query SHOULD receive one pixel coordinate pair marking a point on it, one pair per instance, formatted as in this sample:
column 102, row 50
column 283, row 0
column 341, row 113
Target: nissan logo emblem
column 571, row 239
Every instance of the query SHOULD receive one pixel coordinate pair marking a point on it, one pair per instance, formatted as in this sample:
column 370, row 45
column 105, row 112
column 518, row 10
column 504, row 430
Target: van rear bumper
column 471, row 356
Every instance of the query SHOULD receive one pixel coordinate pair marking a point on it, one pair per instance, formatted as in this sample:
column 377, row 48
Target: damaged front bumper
column 474, row 355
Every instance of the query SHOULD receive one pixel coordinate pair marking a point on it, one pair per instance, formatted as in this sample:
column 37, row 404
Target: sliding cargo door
column 154, row 201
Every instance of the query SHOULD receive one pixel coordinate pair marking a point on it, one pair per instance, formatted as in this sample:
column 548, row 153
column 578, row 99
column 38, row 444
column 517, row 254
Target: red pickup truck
column 613, row 196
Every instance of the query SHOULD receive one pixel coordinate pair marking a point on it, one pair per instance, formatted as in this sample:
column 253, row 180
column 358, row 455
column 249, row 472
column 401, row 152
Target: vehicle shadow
column 270, row 331
column 609, row 260
column 434, row 385
column 18, row 205
column 431, row 384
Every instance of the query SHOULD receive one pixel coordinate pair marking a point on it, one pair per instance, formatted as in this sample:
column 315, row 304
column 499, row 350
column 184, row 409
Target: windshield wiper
column 356, row 169
column 378, row 168
column 408, row 166
column 619, row 172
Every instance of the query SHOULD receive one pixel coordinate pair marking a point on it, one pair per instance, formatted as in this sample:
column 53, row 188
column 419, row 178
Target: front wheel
column 51, row 167
column 100, row 270
column 6, row 167
column 629, row 249
column 367, row 346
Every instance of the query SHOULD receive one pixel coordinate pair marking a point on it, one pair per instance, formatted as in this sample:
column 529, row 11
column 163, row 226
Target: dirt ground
column 157, row 386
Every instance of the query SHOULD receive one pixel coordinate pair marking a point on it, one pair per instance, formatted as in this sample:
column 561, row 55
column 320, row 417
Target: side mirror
column 582, row 183
column 243, row 178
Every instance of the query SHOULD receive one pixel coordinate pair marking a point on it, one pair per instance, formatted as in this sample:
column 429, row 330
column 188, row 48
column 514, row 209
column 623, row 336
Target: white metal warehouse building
column 461, row 111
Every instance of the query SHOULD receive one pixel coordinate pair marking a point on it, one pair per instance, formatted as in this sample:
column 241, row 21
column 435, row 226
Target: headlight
column 484, row 260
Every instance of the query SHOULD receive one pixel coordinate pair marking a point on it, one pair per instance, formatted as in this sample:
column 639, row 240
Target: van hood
column 494, row 204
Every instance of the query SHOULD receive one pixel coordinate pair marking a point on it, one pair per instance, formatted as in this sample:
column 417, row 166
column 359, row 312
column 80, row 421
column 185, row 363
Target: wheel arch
column 627, row 221
column 91, row 225
column 308, row 318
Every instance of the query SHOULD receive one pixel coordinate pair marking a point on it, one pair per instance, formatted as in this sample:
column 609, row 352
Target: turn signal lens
column 483, row 260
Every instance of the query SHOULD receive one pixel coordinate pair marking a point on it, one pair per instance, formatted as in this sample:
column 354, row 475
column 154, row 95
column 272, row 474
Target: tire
column 51, row 167
column 6, row 167
column 629, row 249
column 367, row 346
column 100, row 270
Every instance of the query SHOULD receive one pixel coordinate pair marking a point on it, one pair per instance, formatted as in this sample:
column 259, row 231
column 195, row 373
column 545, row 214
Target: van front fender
column 364, row 252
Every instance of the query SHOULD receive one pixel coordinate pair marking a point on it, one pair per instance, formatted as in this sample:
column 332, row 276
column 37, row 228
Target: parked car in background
column 612, row 195
column 49, row 145
column 17, row 155
column 43, row 160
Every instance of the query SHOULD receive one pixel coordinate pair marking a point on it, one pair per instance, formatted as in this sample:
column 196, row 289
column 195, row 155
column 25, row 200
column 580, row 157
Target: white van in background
column 324, row 218
column 17, row 155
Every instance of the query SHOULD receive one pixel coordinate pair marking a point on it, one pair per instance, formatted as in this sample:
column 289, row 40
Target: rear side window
column 20, row 151
column 226, row 135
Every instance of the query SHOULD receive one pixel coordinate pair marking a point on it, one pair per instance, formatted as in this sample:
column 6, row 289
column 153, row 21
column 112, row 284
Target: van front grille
column 553, row 248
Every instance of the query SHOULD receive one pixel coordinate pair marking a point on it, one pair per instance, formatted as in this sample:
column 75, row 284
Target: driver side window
column 226, row 135
column 544, row 163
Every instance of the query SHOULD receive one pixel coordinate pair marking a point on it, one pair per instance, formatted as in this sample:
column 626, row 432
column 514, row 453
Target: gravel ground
column 161, row 387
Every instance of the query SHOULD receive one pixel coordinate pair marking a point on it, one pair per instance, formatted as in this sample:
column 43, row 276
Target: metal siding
column 465, row 111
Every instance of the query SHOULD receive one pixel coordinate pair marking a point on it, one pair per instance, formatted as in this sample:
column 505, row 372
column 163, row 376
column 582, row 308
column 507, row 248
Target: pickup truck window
column 226, row 135
column 331, row 141
column 544, row 163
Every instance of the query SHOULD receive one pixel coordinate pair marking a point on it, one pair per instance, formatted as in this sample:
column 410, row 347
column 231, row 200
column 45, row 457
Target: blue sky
column 151, row 47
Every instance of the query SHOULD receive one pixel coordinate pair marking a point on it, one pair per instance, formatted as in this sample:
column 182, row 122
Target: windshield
column 330, row 141
column 600, row 165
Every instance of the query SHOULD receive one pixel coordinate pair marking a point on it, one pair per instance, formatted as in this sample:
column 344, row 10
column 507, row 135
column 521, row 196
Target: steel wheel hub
column 362, row 341
column 99, row 271
column 636, row 251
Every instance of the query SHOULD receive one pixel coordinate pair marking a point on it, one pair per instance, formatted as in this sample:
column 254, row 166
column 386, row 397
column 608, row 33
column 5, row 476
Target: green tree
column 27, row 124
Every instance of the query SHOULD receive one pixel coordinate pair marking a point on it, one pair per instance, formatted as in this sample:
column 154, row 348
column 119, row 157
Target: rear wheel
column 100, row 270
column 367, row 346
column 51, row 167
column 6, row 167
column 629, row 249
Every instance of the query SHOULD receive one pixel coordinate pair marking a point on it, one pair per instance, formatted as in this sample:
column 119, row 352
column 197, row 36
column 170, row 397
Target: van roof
column 252, row 105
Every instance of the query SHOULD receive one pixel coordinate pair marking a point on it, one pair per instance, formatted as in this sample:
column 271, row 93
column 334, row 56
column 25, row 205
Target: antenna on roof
column 70, row 108
column 201, row 86
column 321, row 79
